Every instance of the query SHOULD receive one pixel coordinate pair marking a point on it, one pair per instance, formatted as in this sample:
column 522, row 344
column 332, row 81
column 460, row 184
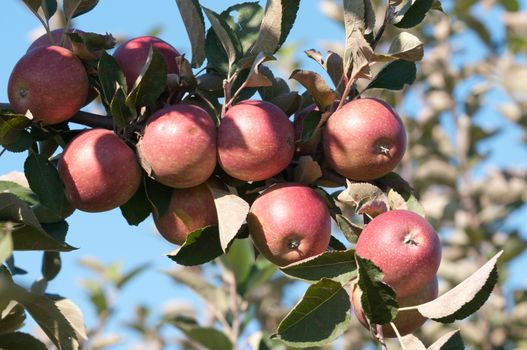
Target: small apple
column 255, row 141
column 289, row 222
column 364, row 140
column 406, row 321
column 178, row 146
column 189, row 209
column 132, row 54
column 50, row 82
column 99, row 171
column 404, row 246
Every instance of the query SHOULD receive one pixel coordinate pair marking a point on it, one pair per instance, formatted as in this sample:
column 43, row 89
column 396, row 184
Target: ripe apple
column 364, row 140
column 56, row 35
column 100, row 172
column 178, row 147
column 132, row 55
column 289, row 222
column 49, row 81
column 405, row 321
column 404, row 246
column 255, row 141
column 189, row 209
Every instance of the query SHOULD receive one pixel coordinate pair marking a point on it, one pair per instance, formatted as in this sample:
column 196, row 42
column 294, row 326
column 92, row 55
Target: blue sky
column 106, row 236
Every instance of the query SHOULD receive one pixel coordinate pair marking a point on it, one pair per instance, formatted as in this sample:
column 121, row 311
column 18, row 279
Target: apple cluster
column 181, row 146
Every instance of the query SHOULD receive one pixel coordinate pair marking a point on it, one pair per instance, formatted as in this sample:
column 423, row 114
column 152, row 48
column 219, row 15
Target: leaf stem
column 398, row 335
column 387, row 19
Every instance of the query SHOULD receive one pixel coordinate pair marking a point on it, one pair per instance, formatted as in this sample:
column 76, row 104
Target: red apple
column 289, row 222
column 255, row 141
column 56, row 35
column 178, row 147
column 132, row 55
column 190, row 209
column 364, row 140
column 405, row 321
column 49, row 81
column 404, row 246
column 100, row 172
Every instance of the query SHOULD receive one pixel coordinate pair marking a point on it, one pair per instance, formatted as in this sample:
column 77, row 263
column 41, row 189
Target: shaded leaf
column 122, row 113
column 51, row 265
column 277, row 22
column 322, row 315
column 137, row 209
column 411, row 342
column 245, row 19
column 43, row 178
column 151, row 82
column 465, row 298
column 335, row 244
column 364, row 197
column 404, row 46
column 397, row 201
column 289, row 102
column 21, row 192
column 211, row 294
column 334, row 65
column 201, row 246
column 317, row 87
column 414, row 14
column 450, row 341
column 394, row 76
column 255, row 77
column 28, row 234
column 338, row 266
column 130, row 275
column 225, row 35
column 377, row 299
column 12, row 317
column 350, row 230
column 158, row 196
column 20, row 341
column 310, row 123
column 192, row 16
column 6, row 242
column 307, row 171
column 239, row 259
column 111, row 77
column 232, row 212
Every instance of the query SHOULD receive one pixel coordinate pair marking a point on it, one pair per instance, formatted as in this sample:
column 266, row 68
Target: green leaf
column 317, row 87
column 279, row 17
column 226, row 36
column 111, row 77
column 28, row 234
column 415, row 13
column 450, row 341
column 151, row 82
column 239, row 259
column 12, row 317
column 192, row 16
column 397, row 201
column 201, row 246
column 20, row 341
column 17, row 140
column 309, row 125
column 130, row 275
column 465, row 298
column 74, row 8
column 43, row 178
column 208, row 337
column 85, row 6
column 137, row 209
column 335, row 244
column 158, row 196
column 51, row 265
column 33, row 5
column 378, row 299
column 245, row 22
column 20, row 191
column 338, row 266
column 49, row 7
column 6, row 242
column 59, row 318
column 394, row 76
column 232, row 212
column 322, row 315
column 256, row 78
column 211, row 294
column 350, row 230
column 122, row 113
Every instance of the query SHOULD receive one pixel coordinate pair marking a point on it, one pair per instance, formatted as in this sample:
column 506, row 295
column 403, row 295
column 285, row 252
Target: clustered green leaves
column 235, row 47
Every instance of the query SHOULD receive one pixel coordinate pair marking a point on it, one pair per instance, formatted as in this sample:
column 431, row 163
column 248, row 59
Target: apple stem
column 398, row 335
column 380, row 337
column 408, row 308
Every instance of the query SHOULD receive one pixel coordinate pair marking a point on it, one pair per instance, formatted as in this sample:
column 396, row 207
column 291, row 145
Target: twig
column 84, row 118
column 380, row 337
column 398, row 335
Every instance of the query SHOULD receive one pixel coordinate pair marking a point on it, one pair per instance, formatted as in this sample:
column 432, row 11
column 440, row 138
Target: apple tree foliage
column 400, row 50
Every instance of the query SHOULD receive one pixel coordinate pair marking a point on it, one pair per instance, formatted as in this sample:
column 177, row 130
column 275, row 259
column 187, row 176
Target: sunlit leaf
column 192, row 16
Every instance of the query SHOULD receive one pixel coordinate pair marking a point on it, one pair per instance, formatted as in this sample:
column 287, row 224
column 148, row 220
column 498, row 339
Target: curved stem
column 84, row 118
column 398, row 335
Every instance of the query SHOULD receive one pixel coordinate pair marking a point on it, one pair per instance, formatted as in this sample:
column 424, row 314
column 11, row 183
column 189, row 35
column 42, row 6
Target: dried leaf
column 411, row 342
column 317, row 87
column 255, row 77
column 192, row 16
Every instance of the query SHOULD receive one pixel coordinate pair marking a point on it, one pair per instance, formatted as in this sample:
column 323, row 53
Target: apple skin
column 56, row 34
column 405, row 321
column 364, row 140
column 255, row 141
column 404, row 246
column 132, row 55
column 179, row 146
column 289, row 222
column 99, row 171
column 51, row 82
column 189, row 209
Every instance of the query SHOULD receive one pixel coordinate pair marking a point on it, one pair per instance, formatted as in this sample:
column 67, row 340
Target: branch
column 83, row 118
